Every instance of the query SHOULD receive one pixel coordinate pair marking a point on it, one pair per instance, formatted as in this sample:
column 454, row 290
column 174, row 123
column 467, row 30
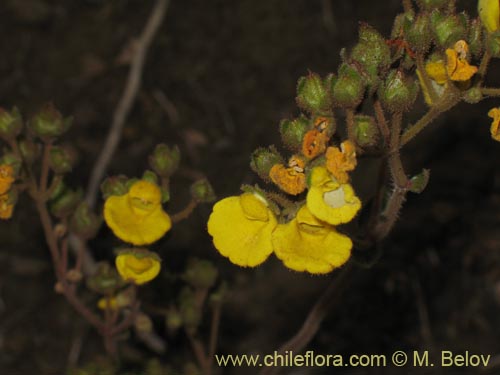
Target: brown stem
column 198, row 350
column 316, row 315
column 44, row 176
column 349, row 113
column 381, row 121
column 487, row 91
column 214, row 334
column 184, row 213
column 483, row 66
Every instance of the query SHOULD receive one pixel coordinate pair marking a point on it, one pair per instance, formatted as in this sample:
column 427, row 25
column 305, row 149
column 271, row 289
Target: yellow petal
column 458, row 69
column 436, row 70
column 489, row 12
column 6, row 177
column 494, row 113
column 134, row 219
column 315, row 251
column 139, row 270
column 288, row 179
column 334, row 205
column 241, row 228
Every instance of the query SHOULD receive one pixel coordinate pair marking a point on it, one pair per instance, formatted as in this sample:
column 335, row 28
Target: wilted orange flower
column 457, row 67
column 291, row 180
column 314, row 143
column 340, row 161
column 494, row 113
column 6, row 207
column 6, row 177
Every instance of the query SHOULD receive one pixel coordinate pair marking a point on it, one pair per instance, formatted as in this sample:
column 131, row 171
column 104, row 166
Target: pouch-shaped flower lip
column 137, row 217
column 291, row 180
column 6, row 177
column 329, row 200
column 307, row 244
column 241, row 228
column 458, row 69
column 138, row 265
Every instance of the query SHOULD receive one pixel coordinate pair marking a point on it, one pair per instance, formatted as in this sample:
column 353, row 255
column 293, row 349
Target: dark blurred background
column 218, row 78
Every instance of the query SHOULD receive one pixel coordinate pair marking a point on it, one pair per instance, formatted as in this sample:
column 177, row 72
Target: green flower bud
column 173, row 320
column 202, row 191
column 218, row 296
column 419, row 181
column 62, row 159
column 475, row 38
column 349, row 89
column 84, row 222
column 165, row 160
column 365, row 131
column 372, row 52
column 49, row 123
column 200, row 274
column 13, row 160
column 312, row 95
column 105, row 280
column 293, row 131
column 448, row 29
column 263, row 159
column 150, row 176
column 432, row 4
column 115, row 185
column 418, row 33
column 143, row 323
column 11, row 123
column 473, row 95
column 29, row 150
column 398, row 93
column 191, row 315
column 399, row 22
column 66, row 203
column 493, row 44
column 57, row 188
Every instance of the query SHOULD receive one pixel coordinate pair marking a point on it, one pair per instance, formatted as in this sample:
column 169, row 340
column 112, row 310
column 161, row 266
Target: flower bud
column 84, row 222
column 475, row 38
column 115, row 185
column 418, row 33
column 62, row 159
column 173, row 320
column 365, row 131
column 263, row 159
column 150, row 176
column 473, row 95
column 11, row 123
column 312, row 95
column 13, row 160
column 49, row 123
column 202, row 191
column 105, row 280
column 349, row 89
column 372, row 52
column 493, row 44
column 29, row 150
column 398, row 93
column 432, row 4
column 419, row 181
column 200, row 274
column 399, row 21
column 293, row 131
column 64, row 204
column 165, row 160
column 448, row 28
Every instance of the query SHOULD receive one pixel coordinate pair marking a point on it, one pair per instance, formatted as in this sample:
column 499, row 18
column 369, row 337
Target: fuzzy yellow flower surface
column 241, row 228
column 457, row 68
column 494, row 113
column 6, row 178
column 489, row 12
column 329, row 200
column 138, row 268
column 307, row 244
column 340, row 161
column 6, row 208
column 137, row 217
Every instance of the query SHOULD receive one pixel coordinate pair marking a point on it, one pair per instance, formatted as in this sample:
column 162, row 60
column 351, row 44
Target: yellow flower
column 104, row 302
column 137, row 217
column 138, row 265
column 457, row 67
column 340, row 161
column 6, row 207
column 6, row 177
column 291, row 180
column 494, row 113
column 307, row 244
column 241, row 228
column 330, row 200
column 489, row 12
